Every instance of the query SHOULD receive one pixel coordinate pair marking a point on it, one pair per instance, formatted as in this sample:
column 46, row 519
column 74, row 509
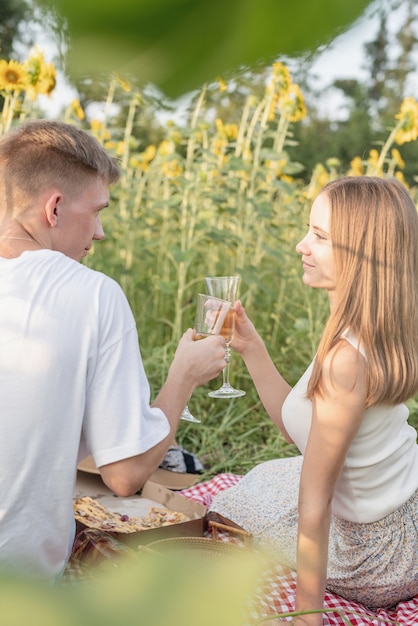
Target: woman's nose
column 302, row 246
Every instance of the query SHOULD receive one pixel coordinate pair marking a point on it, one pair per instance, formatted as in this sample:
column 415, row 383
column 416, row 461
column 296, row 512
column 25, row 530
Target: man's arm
column 194, row 363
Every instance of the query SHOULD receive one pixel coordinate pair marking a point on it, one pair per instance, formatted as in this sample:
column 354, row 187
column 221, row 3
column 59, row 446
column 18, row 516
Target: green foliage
column 219, row 196
column 364, row 108
column 179, row 586
column 180, row 44
column 12, row 13
column 216, row 198
column 213, row 199
column 131, row 591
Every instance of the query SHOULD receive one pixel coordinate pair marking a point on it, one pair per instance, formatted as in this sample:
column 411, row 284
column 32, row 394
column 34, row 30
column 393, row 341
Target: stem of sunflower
column 387, row 145
column 11, row 109
column 108, row 104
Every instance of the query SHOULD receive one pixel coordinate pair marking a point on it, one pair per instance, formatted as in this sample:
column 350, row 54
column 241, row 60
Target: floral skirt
column 375, row 564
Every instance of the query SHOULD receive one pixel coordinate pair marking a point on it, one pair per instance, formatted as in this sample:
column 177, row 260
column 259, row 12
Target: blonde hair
column 45, row 153
column 374, row 233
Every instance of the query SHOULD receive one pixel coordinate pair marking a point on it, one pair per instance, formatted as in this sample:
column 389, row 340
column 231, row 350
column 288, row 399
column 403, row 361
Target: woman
column 344, row 514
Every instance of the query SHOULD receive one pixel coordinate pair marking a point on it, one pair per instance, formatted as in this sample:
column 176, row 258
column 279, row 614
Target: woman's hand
column 271, row 386
column 245, row 334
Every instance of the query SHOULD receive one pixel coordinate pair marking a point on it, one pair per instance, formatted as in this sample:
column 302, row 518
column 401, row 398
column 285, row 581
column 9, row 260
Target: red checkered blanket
column 281, row 586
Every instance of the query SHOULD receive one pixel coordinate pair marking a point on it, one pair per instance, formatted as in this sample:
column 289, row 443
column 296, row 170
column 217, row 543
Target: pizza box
column 151, row 495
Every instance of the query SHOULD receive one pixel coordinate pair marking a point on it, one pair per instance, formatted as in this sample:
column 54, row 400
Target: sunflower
column 143, row 159
column 172, row 168
column 76, row 109
column 401, row 178
column 273, row 106
column 356, row 167
column 149, row 153
column 218, row 145
column 375, row 163
column 292, row 104
column 320, row 177
column 408, row 121
column 47, row 80
column 222, row 84
column 42, row 76
column 397, row 158
column 13, row 76
column 166, row 147
column 98, row 130
column 230, row 131
column 280, row 80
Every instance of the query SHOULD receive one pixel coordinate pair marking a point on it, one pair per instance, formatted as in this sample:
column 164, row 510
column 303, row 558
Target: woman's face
column 316, row 248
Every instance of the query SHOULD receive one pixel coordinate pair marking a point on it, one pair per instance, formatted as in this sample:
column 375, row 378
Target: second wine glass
column 211, row 316
column 225, row 287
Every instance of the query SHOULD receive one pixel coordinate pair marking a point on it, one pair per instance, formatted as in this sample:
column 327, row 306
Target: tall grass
column 214, row 196
column 212, row 199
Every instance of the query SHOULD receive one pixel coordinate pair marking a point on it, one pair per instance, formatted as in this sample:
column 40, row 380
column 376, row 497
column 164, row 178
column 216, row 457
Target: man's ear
column 52, row 208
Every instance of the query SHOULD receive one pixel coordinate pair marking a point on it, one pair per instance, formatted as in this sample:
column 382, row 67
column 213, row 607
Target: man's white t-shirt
column 72, row 382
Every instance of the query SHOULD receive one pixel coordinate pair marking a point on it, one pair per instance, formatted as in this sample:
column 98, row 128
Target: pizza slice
column 94, row 515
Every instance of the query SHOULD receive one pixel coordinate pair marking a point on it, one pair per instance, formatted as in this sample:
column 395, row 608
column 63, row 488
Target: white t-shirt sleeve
column 118, row 422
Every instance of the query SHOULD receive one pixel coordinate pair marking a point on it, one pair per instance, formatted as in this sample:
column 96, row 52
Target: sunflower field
column 212, row 197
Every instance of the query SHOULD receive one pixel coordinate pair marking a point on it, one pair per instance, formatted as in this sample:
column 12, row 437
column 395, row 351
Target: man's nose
column 98, row 231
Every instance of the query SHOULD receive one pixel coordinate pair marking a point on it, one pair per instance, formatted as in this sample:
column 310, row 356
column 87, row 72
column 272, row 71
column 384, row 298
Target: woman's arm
column 271, row 386
column 337, row 415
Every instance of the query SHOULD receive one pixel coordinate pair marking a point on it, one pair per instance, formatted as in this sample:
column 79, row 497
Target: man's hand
column 202, row 360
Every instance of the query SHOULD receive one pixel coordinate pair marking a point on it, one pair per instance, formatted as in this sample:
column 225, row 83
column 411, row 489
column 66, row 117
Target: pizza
column 94, row 515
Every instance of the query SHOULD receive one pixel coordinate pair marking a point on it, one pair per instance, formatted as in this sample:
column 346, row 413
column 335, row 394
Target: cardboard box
column 151, row 495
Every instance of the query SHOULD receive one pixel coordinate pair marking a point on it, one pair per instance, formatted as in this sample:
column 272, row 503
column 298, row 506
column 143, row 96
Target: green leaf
column 181, row 256
column 237, row 164
column 264, row 209
column 272, row 155
column 292, row 168
column 181, row 44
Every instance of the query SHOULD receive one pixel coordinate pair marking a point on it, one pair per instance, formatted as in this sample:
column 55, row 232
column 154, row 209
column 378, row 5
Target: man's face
column 78, row 220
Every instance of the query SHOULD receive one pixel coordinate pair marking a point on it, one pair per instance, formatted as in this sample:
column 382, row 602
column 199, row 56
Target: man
column 72, row 380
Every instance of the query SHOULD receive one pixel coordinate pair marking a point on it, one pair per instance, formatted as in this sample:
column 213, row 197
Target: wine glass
column 211, row 313
column 225, row 287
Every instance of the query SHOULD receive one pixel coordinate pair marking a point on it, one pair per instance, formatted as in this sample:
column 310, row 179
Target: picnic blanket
column 279, row 594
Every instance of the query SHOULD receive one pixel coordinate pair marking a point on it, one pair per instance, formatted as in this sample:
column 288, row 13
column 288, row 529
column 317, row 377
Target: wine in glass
column 211, row 316
column 225, row 287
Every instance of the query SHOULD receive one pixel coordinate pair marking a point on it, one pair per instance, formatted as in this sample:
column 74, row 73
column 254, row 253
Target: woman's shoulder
column 344, row 364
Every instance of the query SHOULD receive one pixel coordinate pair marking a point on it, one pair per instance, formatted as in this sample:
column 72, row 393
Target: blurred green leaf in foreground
column 180, row 44
column 153, row 590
